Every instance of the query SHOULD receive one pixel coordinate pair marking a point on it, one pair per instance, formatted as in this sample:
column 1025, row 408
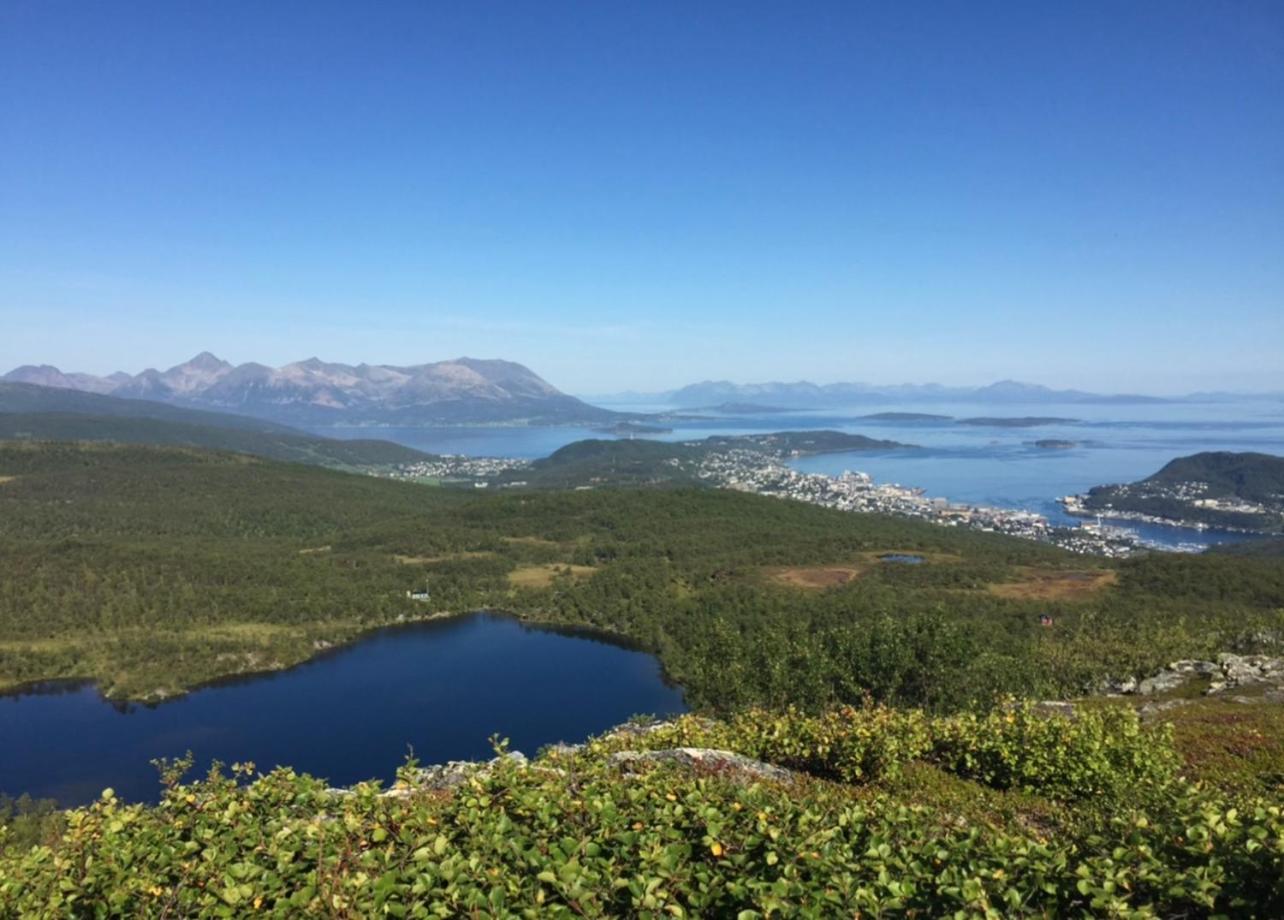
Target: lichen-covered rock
column 441, row 776
column 707, row 760
column 1163, row 682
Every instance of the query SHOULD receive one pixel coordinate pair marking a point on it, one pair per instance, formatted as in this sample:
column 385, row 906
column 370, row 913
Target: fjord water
column 978, row 464
column 441, row 688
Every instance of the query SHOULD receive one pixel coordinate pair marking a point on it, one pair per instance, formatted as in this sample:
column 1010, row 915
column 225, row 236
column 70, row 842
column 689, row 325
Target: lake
column 441, row 688
column 976, row 464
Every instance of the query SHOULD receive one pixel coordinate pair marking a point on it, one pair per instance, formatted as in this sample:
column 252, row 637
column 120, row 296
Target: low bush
column 1095, row 752
column 849, row 744
column 527, row 841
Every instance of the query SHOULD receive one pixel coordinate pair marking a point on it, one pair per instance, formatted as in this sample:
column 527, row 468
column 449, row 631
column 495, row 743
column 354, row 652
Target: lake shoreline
column 42, row 686
column 434, row 689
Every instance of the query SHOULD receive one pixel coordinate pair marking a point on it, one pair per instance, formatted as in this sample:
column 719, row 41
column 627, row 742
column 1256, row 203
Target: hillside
column 154, row 569
column 29, row 411
column 319, row 393
column 1242, row 491
column 796, row 790
column 28, row 398
column 273, row 444
column 597, row 462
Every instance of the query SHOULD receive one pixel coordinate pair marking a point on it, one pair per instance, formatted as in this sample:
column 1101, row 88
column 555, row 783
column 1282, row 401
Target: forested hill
column 639, row 462
column 29, row 397
column 633, row 462
column 1219, row 488
column 1254, row 477
column 274, row 445
column 35, row 412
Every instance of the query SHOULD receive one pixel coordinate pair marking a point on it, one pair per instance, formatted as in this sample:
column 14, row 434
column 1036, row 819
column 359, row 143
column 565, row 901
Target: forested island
column 1235, row 491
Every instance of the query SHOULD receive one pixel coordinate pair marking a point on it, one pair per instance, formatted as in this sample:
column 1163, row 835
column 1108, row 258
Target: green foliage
column 288, row 445
column 1102, row 752
column 573, row 837
column 152, row 570
column 847, row 744
column 26, row 822
column 1096, row 752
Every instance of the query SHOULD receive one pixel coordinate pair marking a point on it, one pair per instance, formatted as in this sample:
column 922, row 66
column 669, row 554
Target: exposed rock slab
column 1228, row 672
column 705, row 760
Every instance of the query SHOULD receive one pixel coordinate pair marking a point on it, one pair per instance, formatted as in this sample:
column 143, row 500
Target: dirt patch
column 4, row 479
column 819, row 577
column 541, row 576
column 448, row 557
column 816, row 577
column 314, row 550
column 1055, row 584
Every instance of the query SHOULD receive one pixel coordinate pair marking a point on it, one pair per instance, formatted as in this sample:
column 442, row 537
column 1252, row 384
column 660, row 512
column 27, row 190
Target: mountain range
column 319, row 393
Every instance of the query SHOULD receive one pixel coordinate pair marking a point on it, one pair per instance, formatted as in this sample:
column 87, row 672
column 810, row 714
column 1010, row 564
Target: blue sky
column 640, row 195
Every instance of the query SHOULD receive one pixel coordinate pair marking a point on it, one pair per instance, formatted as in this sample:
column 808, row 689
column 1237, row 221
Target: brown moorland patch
column 541, row 576
column 1055, row 584
column 816, row 576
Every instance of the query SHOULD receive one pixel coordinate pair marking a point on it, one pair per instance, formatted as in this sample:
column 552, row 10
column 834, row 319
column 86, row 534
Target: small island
column 801, row 443
column 1023, row 421
column 626, row 428
column 905, row 417
column 1055, row 444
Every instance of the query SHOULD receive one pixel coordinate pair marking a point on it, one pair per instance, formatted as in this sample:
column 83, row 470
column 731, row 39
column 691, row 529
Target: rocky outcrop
column 1228, row 672
column 704, row 760
column 444, row 776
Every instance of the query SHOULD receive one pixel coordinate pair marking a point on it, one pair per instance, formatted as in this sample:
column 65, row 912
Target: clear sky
column 645, row 194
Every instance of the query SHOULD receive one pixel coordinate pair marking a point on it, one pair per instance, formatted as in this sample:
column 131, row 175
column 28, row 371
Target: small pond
column 901, row 559
column 441, row 688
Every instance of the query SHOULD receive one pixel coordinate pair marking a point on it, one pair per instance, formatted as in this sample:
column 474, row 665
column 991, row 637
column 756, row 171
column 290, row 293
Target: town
column 448, row 468
column 766, row 472
column 752, row 471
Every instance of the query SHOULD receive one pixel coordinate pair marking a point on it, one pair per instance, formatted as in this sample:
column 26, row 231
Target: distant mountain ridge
column 805, row 395
column 315, row 392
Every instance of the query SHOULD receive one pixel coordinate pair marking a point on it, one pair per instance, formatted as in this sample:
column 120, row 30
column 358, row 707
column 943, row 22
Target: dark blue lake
column 441, row 687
